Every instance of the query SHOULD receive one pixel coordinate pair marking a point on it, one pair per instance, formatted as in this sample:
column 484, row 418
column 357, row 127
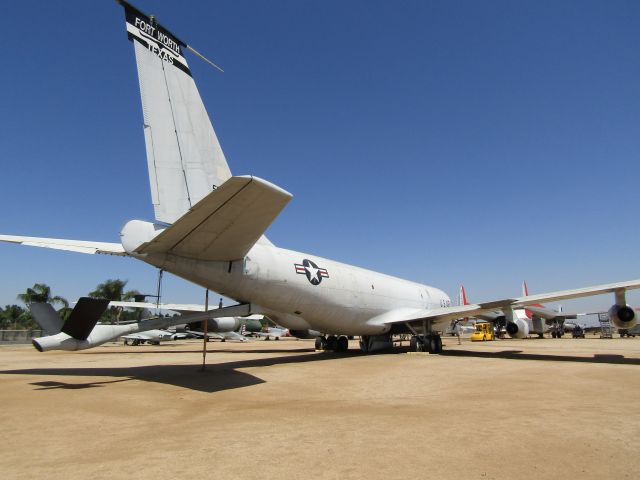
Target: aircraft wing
column 441, row 316
column 225, row 224
column 81, row 246
column 549, row 314
column 178, row 307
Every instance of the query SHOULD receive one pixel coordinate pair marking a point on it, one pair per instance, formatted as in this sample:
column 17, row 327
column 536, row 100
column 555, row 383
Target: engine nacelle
column 218, row 325
column 224, row 324
column 306, row 334
column 623, row 316
column 519, row 328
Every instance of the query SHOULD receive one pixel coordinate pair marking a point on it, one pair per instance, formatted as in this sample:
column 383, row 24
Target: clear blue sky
column 445, row 142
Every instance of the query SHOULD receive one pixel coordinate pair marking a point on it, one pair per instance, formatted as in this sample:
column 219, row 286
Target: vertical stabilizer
column 462, row 296
column 184, row 157
column 525, row 289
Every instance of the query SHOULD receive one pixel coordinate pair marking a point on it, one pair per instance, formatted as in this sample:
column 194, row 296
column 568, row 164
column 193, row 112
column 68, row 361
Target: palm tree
column 11, row 314
column 114, row 290
column 41, row 293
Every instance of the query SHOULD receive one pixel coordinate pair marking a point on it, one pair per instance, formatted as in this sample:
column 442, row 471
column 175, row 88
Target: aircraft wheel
column 332, row 342
column 433, row 344
column 342, row 344
column 321, row 343
column 439, row 341
column 553, row 334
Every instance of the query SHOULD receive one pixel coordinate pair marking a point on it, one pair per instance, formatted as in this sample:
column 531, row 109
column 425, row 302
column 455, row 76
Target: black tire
column 321, row 343
column 332, row 342
column 433, row 344
column 438, row 344
column 342, row 344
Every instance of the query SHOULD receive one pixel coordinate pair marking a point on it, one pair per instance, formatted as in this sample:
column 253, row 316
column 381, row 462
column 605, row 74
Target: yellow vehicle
column 483, row 332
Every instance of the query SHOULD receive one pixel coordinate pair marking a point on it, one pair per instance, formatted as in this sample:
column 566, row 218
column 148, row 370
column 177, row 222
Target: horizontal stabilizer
column 178, row 307
column 81, row 246
column 225, row 224
column 84, row 317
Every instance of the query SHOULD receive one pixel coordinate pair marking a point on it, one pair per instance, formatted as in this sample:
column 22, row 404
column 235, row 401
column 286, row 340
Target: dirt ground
column 553, row 408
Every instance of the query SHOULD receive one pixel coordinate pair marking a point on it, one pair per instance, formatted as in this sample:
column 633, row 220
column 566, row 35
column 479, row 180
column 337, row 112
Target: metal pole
column 158, row 293
column 205, row 326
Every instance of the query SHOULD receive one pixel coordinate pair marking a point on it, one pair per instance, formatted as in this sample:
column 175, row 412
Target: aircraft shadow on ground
column 215, row 378
column 520, row 355
column 141, row 350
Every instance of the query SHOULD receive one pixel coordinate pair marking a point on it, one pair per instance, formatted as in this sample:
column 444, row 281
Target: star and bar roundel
column 312, row 271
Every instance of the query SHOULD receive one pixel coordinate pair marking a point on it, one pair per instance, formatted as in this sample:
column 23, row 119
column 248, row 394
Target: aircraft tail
column 525, row 289
column 462, row 296
column 78, row 326
column 184, row 157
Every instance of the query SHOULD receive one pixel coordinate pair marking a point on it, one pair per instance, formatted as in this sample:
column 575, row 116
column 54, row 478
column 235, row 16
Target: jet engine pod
column 223, row 324
column 305, row 333
column 623, row 316
column 518, row 328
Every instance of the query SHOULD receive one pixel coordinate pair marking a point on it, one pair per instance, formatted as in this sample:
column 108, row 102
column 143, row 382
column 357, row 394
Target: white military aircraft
column 153, row 337
column 210, row 226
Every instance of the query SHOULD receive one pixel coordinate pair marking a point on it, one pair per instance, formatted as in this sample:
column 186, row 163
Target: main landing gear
column 431, row 343
column 333, row 343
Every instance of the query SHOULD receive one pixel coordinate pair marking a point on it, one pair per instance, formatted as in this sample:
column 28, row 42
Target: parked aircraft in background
column 81, row 330
column 272, row 332
column 210, row 226
column 231, row 328
column 222, row 336
column 461, row 326
column 535, row 319
column 153, row 337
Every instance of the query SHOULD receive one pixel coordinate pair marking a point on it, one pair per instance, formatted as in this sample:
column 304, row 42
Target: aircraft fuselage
column 302, row 291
